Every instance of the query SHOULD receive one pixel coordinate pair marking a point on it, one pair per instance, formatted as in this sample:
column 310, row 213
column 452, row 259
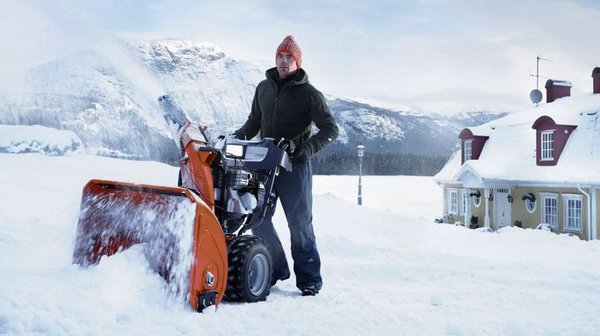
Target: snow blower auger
column 193, row 234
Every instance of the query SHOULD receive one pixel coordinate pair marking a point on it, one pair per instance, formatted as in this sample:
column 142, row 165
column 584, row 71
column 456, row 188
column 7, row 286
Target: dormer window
column 471, row 145
column 468, row 150
column 550, row 140
column 547, row 145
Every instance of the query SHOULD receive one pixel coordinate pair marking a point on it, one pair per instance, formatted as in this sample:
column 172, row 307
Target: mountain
column 384, row 130
column 107, row 97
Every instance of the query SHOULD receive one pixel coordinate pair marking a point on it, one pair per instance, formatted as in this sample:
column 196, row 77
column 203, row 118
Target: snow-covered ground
column 388, row 268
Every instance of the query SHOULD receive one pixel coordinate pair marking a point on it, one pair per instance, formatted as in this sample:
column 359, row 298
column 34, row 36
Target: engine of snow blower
column 193, row 234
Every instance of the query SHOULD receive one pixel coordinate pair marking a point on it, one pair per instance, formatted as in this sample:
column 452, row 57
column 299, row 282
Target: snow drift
column 387, row 268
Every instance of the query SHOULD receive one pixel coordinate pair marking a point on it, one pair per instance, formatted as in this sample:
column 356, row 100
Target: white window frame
column 573, row 217
column 468, row 150
column 544, row 207
column 453, row 201
column 547, row 145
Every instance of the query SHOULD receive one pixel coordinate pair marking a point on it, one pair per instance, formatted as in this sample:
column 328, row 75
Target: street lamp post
column 361, row 152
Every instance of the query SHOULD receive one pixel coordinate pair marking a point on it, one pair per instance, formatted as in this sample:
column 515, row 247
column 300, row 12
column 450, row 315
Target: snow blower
column 193, row 235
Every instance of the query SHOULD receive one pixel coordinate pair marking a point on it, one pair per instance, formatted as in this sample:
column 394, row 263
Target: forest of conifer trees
column 346, row 163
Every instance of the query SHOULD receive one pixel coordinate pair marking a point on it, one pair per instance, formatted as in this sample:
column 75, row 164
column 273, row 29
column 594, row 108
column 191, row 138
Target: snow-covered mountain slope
column 108, row 98
column 212, row 88
column 380, row 129
column 85, row 93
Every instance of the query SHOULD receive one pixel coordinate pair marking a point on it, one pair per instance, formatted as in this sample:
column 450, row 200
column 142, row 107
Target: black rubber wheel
column 250, row 269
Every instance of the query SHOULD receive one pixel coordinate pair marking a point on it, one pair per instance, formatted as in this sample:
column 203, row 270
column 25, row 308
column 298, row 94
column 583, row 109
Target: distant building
column 535, row 168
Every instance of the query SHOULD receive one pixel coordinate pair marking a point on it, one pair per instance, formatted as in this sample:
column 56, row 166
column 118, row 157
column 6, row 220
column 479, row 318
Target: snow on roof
column 554, row 82
column 509, row 155
column 446, row 175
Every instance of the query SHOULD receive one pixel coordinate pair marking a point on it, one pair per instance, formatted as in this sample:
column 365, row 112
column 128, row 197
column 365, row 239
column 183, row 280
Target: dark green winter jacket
column 288, row 114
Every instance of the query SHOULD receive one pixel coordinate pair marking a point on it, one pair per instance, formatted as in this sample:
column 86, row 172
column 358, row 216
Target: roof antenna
column 536, row 95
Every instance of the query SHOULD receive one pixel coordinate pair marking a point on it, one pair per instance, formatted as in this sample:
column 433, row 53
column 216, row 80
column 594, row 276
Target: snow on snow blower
column 193, row 234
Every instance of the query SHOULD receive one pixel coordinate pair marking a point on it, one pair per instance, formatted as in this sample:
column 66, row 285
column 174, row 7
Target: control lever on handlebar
column 287, row 145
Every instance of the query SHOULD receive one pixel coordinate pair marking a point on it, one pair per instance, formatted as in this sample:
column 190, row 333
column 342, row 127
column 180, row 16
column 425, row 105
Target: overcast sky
column 460, row 54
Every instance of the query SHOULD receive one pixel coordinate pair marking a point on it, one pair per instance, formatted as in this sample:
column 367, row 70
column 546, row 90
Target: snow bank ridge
column 38, row 139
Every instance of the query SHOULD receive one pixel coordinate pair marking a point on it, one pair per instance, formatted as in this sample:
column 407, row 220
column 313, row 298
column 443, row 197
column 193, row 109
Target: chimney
column 557, row 89
column 596, row 77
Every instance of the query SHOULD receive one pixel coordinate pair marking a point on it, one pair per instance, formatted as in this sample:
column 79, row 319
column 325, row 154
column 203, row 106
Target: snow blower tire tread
column 247, row 255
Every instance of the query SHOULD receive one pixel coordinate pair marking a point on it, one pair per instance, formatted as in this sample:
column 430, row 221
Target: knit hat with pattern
column 290, row 46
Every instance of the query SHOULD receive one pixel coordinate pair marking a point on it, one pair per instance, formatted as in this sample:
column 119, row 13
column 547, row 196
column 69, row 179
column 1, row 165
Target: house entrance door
column 502, row 209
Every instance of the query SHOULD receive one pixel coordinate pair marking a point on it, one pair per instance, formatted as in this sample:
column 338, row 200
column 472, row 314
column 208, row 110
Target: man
column 284, row 106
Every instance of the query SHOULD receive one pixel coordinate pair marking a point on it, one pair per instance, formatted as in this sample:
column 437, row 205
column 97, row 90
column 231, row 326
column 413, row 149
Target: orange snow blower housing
column 192, row 235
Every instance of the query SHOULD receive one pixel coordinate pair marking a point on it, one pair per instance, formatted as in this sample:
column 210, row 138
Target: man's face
column 286, row 65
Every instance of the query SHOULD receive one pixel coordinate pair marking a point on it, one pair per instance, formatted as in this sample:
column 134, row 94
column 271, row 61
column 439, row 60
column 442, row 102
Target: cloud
column 394, row 51
column 27, row 36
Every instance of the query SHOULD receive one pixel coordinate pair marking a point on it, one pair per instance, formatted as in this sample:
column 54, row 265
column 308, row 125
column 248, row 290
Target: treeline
column 346, row 163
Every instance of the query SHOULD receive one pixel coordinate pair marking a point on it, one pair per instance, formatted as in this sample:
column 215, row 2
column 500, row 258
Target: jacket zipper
column 275, row 109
